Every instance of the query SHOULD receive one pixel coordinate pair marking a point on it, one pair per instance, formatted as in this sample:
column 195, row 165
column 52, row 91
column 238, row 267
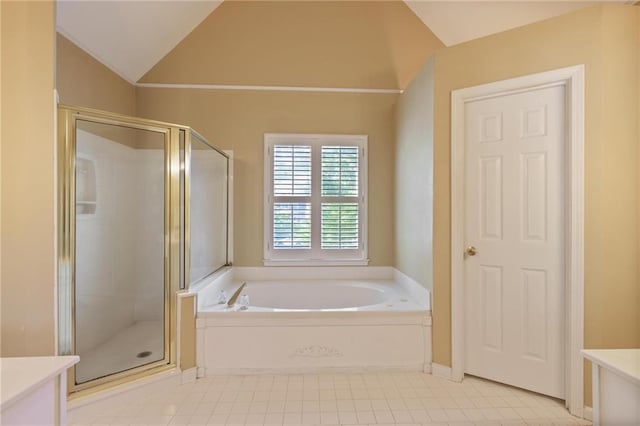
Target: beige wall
column 638, row 130
column 612, row 285
column 188, row 309
column 618, row 186
column 414, row 178
column 369, row 44
column 602, row 38
column 1, row 135
column 83, row 81
column 237, row 120
column 28, row 238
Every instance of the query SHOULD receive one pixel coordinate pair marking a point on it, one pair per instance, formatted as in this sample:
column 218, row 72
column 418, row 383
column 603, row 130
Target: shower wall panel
column 104, row 268
column 148, row 295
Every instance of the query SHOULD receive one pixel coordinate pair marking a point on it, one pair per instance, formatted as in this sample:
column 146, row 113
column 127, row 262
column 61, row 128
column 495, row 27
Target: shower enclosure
column 143, row 212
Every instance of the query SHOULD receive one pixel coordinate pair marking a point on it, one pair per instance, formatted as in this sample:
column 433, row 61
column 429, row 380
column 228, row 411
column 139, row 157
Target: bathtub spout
column 232, row 299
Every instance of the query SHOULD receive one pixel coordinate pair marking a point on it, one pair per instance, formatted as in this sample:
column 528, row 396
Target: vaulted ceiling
column 130, row 37
column 455, row 22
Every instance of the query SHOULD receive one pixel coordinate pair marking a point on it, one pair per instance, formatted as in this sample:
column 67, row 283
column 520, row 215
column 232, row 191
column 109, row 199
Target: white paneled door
column 514, row 236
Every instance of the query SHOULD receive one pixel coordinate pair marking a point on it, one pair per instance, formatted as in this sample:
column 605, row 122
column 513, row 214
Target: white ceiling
column 455, row 22
column 130, row 37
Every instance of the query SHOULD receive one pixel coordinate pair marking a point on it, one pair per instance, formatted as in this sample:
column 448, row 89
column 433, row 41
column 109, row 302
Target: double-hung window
column 315, row 200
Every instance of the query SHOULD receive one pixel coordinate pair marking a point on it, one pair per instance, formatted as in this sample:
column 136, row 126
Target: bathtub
column 337, row 319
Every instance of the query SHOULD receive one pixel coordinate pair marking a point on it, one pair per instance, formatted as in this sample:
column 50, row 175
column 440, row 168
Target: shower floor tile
column 121, row 351
column 412, row 399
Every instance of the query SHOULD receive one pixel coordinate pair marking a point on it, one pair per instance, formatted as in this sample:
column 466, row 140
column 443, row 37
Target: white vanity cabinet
column 616, row 386
column 34, row 390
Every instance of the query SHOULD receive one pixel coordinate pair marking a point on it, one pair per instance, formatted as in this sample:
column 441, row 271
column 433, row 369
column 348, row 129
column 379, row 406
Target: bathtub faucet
column 232, row 299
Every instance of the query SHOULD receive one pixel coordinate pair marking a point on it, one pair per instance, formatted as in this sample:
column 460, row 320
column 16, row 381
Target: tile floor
column 326, row 399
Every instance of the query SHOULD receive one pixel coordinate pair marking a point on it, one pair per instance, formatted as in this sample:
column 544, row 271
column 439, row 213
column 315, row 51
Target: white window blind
column 339, row 225
column 340, row 165
column 292, row 170
column 291, row 225
column 315, row 204
column 292, row 179
column 340, row 171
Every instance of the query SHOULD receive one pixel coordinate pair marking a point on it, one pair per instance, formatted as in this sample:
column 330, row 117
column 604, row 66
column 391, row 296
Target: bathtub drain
column 143, row 354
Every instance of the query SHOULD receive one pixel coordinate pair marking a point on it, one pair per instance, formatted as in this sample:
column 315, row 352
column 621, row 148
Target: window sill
column 318, row 262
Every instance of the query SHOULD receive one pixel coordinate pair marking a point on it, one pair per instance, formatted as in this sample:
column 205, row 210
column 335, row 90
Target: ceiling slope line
column 268, row 88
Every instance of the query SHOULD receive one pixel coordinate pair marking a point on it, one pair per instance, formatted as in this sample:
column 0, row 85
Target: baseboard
column 440, row 370
column 189, row 375
column 587, row 413
column 426, row 368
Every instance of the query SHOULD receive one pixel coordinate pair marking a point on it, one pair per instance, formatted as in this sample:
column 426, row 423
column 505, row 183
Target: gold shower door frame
column 67, row 118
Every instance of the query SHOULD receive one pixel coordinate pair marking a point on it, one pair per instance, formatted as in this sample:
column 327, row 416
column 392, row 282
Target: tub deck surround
column 326, row 319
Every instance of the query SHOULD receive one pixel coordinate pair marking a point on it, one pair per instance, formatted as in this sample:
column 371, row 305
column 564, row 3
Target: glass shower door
column 208, row 205
column 120, row 297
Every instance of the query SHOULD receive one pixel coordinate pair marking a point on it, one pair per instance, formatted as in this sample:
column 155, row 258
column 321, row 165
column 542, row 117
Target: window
column 315, row 204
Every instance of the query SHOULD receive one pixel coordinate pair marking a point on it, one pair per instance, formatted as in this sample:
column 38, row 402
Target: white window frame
column 315, row 256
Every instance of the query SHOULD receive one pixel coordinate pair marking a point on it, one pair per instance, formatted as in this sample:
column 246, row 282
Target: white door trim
column 572, row 78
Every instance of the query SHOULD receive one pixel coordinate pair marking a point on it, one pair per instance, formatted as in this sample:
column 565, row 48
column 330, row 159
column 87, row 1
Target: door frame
column 572, row 78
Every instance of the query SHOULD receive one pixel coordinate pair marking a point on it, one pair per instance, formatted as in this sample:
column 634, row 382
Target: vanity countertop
column 625, row 362
column 19, row 376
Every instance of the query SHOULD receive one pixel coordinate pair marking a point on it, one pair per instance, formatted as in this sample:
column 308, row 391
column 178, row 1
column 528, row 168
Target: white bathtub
column 338, row 319
column 315, row 295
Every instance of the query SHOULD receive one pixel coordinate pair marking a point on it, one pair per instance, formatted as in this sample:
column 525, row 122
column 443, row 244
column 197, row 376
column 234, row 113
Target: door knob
column 471, row 251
